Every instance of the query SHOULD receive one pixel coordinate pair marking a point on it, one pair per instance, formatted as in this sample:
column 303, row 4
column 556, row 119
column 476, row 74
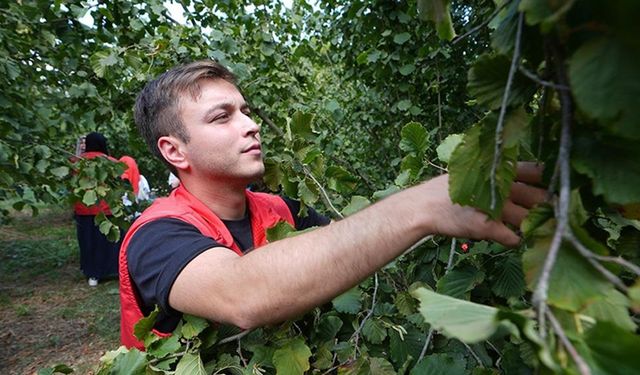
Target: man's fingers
column 513, row 214
column 504, row 235
column 529, row 172
column 526, row 195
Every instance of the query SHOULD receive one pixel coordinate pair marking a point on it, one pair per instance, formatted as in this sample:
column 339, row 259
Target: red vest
column 266, row 211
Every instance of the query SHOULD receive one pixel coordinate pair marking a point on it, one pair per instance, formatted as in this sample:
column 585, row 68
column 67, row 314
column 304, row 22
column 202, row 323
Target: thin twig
column 356, row 334
column 451, row 254
column 591, row 258
column 532, row 76
column 473, row 354
column 234, row 337
column 481, row 25
column 497, row 151
column 452, row 251
column 423, row 352
column 325, row 196
column 420, row 242
column 583, row 368
column 541, row 291
column 443, row 169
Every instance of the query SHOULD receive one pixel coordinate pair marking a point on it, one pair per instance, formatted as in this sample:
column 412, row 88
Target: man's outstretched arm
column 289, row 277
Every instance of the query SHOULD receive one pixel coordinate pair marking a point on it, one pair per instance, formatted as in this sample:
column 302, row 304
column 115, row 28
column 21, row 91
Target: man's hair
column 157, row 108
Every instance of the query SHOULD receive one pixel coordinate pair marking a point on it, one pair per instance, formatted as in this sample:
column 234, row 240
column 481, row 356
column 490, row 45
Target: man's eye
column 221, row 117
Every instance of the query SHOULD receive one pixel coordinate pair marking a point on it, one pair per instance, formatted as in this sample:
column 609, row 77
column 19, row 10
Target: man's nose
column 250, row 126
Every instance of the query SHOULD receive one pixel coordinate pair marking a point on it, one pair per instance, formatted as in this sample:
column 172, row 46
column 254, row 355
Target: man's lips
column 254, row 148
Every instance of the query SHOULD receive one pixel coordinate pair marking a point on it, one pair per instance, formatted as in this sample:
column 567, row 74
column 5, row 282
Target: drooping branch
column 562, row 209
column 577, row 359
column 497, row 151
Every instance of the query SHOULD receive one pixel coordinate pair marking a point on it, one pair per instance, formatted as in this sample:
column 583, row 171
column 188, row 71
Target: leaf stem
column 591, row 258
column 325, row 196
column 529, row 74
column 497, row 151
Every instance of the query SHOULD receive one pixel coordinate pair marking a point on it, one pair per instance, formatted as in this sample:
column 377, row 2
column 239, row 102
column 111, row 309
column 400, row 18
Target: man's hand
column 454, row 220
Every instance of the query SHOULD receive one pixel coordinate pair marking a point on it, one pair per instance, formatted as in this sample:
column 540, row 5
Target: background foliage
column 359, row 99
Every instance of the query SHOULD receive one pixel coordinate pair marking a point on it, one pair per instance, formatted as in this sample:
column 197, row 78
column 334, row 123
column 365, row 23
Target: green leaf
column 466, row 321
column 401, row 38
column 613, row 164
column 445, row 149
column 380, row 366
column 438, row 11
column 613, row 349
column 89, row 198
column 273, row 174
column 439, row 364
column 133, row 362
column 292, row 358
column 279, row 231
column 327, row 328
column 348, row 302
column 190, row 364
column 573, row 284
column 545, row 12
column 407, row 69
column 308, row 191
column 193, row 326
column 605, row 82
column 470, row 165
column 144, row 326
column 357, row 203
column 509, row 278
column 487, row 80
column 401, row 348
column 57, row 369
column 405, row 303
column 60, row 171
column 414, row 138
column 374, row 331
column 460, row 281
column 301, row 125
column 340, row 180
column 164, row 346
column 613, row 308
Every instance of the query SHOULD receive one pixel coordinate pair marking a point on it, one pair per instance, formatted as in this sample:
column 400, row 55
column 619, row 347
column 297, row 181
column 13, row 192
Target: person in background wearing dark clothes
column 98, row 255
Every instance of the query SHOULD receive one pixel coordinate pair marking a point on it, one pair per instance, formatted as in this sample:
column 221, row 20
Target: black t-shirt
column 159, row 250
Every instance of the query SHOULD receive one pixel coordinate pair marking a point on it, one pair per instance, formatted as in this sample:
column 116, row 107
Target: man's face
column 224, row 142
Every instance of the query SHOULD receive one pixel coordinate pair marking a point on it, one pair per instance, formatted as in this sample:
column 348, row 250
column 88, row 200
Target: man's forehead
column 214, row 90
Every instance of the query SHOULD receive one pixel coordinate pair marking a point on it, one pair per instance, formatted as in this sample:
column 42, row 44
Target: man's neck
column 228, row 202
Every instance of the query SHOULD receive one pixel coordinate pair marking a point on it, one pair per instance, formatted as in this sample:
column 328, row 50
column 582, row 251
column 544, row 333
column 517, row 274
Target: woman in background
column 98, row 255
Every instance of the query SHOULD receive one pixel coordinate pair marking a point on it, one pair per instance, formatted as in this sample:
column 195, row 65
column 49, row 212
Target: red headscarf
column 132, row 174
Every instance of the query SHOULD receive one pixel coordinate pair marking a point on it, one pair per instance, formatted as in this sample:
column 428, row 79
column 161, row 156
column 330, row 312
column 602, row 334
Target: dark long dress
column 98, row 255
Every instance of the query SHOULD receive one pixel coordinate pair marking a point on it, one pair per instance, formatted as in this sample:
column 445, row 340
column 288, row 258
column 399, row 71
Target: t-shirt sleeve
column 313, row 218
column 157, row 253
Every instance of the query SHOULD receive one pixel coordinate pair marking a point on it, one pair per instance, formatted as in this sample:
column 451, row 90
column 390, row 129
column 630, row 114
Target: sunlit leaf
column 292, row 358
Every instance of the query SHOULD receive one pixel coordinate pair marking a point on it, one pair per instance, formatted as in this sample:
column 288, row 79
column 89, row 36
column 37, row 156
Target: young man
column 188, row 253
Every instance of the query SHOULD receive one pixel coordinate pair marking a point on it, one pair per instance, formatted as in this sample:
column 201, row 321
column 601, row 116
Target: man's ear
column 171, row 149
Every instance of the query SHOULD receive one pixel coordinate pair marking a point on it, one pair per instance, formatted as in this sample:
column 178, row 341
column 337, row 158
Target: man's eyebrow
column 222, row 105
